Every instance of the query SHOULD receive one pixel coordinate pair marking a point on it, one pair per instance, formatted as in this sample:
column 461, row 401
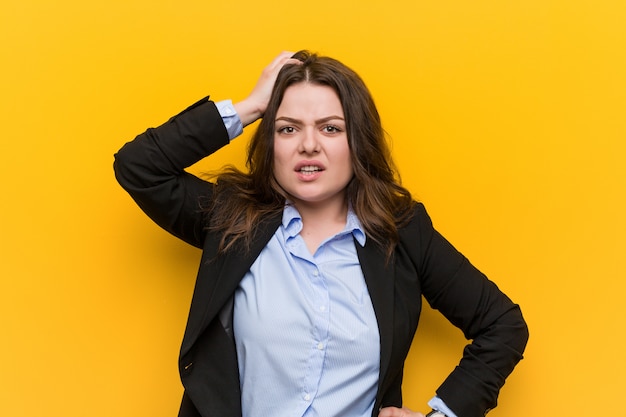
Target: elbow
column 126, row 167
column 513, row 331
column 523, row 333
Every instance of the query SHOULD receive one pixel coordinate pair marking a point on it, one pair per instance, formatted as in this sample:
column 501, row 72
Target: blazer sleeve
column 151, row 168
column 473, row 303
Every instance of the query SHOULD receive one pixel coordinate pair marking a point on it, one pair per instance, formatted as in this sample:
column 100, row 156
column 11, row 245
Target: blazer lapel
column 208, row 300
column 379, row 277
column 217, row 281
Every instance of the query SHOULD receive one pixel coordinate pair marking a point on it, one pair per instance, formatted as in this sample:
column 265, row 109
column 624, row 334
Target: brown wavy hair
column 382, row 205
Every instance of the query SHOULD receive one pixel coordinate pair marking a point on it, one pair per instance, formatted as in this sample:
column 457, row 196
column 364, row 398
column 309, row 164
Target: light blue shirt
column 231, row 119
column 306, row 334
column 305, row 329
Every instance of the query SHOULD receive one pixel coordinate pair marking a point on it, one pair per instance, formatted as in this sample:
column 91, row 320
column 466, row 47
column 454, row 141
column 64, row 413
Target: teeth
column 309, row 168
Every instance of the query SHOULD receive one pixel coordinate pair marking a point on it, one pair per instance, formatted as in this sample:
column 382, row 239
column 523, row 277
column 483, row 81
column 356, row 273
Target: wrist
column 435, row 413
column 248, row 111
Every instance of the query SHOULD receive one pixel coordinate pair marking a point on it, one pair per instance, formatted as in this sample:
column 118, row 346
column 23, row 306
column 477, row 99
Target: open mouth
column 309, row 169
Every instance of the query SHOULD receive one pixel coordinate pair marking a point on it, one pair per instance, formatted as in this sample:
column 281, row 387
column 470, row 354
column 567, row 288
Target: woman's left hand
column 398, row 412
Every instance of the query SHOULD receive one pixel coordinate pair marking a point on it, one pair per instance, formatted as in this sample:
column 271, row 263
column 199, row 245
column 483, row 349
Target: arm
column 151, row 167
column 452, row 285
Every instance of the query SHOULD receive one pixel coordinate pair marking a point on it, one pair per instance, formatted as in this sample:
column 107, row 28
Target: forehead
column 310, row 99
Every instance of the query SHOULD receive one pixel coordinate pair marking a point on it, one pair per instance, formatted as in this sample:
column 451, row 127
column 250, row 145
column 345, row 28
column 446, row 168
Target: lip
column 305, row 163
column 311, row 176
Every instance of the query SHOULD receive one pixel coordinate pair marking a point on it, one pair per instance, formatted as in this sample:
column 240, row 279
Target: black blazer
column 151, row 169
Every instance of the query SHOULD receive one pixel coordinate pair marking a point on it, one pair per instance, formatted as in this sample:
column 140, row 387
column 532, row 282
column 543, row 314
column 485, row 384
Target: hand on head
column 252, row 107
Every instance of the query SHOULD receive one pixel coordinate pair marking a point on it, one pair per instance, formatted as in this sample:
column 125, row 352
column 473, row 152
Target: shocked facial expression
column 311, row 153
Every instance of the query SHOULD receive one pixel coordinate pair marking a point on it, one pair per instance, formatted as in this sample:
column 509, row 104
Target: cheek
column 276, row 155
column 345, row 157
column 279, row 162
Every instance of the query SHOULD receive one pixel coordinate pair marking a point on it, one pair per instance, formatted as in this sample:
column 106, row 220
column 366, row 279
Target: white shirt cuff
column 437, row 403
column 231, row 119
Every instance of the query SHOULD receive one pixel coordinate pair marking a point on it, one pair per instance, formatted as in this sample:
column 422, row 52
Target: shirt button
column 307, row 397
column 320, row 346
column 316, row 273
column 322, row 308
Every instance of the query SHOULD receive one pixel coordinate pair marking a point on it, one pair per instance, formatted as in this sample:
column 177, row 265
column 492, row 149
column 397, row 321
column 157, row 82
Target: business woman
column 315, row 259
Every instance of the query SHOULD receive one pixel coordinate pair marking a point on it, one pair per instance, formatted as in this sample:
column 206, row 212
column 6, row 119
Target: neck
column 326, row 212
column 320, row 222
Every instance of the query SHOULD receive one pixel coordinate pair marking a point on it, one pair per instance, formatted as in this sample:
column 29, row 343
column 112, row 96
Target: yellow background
column 508, row 120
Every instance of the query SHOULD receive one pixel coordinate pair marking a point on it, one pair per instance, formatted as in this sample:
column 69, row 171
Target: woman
column 314, row 262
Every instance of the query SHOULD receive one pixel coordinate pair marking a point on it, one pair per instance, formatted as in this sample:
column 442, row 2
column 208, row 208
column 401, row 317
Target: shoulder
column 418, row 220
column 417, row 236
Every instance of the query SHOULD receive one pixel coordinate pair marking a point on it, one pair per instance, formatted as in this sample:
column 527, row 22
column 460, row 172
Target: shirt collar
column 292, row 223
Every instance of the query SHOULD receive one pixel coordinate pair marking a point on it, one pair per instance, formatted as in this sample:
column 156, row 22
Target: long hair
column 374, row 193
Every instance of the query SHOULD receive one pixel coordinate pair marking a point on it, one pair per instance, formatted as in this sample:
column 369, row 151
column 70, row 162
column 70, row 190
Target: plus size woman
column 315, row 260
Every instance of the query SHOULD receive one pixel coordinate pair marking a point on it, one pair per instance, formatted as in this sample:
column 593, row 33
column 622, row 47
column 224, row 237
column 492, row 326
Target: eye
column 286, row 129
column 331, row 129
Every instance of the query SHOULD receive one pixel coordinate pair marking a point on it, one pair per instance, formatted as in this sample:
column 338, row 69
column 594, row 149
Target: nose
column 309, row 142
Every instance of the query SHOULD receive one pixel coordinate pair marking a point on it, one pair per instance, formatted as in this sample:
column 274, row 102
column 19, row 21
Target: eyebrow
column 317, row 122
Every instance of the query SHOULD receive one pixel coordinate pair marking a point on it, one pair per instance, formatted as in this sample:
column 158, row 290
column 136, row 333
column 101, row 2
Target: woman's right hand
column 253, row 107
column 398, row 412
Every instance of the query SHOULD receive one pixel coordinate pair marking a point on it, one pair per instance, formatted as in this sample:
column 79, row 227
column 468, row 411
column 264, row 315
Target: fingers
column 398, row 412
column 268, row 77
column 283, row 58
column 253, row 106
